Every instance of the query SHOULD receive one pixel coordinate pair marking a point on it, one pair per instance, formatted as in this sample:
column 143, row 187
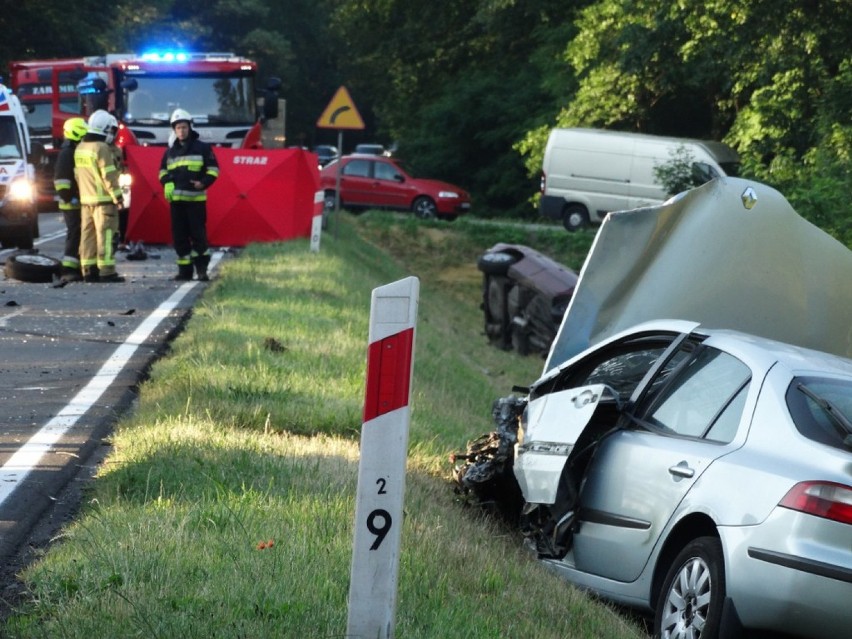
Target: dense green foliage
column 468, row 89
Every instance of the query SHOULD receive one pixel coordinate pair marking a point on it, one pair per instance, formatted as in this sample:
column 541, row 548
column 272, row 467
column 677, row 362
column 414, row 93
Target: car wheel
column 31, row 267
column 496, row 263
column 575, row 217
column 690, row 602
column 496, row 311
column 329, row 201
column 424, row 208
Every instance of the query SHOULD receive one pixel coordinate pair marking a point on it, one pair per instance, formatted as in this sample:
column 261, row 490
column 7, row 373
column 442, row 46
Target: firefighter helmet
column 74, row 129
column 102, row 123
column 180, row 115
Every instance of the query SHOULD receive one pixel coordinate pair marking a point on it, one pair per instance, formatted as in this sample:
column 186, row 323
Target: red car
column 374, row 182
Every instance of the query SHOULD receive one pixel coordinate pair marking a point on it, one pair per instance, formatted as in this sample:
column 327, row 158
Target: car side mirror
column 399, row 178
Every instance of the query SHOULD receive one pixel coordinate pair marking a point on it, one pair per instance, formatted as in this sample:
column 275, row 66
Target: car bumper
column 452, row 207
column 16, row 215
column 792, row 573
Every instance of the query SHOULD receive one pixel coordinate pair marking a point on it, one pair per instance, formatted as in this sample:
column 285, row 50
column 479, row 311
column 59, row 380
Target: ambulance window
column 8, row 139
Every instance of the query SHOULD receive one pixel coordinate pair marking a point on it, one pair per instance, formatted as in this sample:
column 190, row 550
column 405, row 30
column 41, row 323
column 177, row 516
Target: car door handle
column 682, row 470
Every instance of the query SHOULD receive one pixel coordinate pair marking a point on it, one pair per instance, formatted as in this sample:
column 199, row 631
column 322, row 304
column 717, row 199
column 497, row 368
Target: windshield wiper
column 838, row 418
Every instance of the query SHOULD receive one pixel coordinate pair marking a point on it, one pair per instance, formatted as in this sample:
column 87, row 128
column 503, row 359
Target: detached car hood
column 730, row 254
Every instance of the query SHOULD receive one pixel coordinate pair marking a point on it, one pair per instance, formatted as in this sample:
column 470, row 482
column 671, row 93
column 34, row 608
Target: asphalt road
column 71, row 358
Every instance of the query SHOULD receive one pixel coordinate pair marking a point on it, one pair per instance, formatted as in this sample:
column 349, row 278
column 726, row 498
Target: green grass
column 248, row 431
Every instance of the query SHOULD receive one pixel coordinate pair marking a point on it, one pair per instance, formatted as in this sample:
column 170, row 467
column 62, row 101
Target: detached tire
column 31, row 267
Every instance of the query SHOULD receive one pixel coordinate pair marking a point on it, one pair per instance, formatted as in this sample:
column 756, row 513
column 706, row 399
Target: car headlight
column 125, row 180
column 448, row 194
column 522, row 427
column 21, row 189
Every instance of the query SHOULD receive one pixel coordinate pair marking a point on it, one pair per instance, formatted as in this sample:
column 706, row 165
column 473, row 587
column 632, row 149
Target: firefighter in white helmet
column 188, row 169
column 100, row 197
column 69, row 197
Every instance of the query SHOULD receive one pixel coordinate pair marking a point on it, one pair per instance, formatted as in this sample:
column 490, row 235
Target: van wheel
column 575, row 217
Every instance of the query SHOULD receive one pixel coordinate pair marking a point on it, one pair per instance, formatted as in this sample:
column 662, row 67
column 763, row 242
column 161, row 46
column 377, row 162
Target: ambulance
column 18, row 197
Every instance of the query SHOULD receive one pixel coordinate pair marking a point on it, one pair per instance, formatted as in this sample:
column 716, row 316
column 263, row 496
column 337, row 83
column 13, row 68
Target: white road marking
column 26, row 458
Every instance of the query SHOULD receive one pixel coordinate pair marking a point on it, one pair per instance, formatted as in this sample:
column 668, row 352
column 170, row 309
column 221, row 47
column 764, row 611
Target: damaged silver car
column 699, row 468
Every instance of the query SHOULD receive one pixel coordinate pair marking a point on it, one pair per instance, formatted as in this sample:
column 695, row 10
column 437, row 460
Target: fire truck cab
column 18, row 203
column 218, row 90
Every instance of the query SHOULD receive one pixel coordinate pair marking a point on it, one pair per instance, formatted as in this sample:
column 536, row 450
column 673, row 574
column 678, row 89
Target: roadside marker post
column 381, row 468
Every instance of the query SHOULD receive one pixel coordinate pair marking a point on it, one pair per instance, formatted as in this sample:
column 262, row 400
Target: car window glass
column 385, row 171
column 725, row 427
column 357, row 168
column 813, row 420
column 700, row 394
column 624, row 371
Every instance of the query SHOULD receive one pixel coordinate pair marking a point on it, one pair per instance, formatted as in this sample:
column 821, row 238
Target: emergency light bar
column 184, row 56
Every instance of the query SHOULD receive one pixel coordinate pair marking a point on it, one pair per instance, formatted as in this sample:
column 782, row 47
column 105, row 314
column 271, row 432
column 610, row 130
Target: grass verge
column 225, row 508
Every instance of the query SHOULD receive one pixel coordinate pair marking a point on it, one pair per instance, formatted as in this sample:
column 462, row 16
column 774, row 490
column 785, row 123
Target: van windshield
column 10, row 148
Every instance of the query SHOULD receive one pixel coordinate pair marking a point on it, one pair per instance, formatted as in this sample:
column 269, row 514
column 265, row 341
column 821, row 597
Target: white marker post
column 316, row 221
column 381, row 469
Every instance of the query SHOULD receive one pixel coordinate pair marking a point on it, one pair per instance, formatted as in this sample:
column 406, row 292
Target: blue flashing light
column 165, row 56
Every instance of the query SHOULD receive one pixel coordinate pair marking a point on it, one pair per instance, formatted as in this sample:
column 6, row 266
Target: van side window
column 703, row 172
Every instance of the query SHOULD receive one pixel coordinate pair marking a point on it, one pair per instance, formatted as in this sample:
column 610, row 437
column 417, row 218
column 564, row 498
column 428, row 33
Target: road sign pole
column 381, row 469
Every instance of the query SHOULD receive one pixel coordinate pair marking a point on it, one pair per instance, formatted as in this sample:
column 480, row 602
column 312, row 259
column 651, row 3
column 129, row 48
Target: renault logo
column 749, row 198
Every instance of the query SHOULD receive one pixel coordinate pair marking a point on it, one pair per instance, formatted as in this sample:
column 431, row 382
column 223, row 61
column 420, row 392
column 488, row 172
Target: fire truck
column 142, row 90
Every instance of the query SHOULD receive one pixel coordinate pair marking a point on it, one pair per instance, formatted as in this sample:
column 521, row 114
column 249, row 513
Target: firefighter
column 100, row 197
column 69, row 197
column 186, row 172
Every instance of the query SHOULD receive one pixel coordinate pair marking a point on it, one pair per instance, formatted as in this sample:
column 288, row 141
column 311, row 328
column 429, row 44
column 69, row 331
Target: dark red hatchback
column 368, row 181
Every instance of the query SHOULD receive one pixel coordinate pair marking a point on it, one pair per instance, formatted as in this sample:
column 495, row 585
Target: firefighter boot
column 92, row 275
column 184, row 270
column 201, row 262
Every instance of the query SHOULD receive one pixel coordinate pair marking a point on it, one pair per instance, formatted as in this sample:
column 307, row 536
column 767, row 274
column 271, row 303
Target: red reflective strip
column 388, row 374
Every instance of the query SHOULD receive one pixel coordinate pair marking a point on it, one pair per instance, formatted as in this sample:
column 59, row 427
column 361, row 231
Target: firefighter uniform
column 187, row 170
column 68, row 194
column 100, row 197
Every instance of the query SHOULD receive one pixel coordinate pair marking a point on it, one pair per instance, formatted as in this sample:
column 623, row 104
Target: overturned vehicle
column 698, row 467
column 524, row 297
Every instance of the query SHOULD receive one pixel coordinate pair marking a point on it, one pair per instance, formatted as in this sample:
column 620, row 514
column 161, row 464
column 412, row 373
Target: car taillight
column 543, row 182
column 821, row 499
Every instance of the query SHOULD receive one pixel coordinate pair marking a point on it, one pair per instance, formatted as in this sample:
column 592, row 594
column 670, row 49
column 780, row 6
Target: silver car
column 704, row 474
column 698, row 468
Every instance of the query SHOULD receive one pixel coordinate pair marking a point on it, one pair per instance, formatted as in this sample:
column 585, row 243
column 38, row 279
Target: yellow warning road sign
column 341, row 113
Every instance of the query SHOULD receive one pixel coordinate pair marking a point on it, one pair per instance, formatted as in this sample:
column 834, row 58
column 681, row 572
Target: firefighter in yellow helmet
column 188, row 169
column 100, row 197
column 65, row 185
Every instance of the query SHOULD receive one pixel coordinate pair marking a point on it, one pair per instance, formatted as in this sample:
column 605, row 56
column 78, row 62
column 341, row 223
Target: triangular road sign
column 341, row 113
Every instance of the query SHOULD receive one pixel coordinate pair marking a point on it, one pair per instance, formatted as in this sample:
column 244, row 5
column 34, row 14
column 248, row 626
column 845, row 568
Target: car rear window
column 821, row 409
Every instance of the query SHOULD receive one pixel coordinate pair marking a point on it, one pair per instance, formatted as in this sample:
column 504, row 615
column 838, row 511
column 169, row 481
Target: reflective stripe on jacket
column 186, row 162
column 97, row 173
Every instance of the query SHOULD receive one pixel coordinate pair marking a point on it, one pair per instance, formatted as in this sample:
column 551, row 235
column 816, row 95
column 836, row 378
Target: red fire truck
column 142, row 90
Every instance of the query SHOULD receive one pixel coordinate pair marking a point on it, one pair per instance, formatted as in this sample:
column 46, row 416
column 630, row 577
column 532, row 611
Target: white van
column 18, row 204
column 589, row 172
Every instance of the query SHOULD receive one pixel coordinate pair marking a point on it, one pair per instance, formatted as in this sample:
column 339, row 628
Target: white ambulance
column 18, row 203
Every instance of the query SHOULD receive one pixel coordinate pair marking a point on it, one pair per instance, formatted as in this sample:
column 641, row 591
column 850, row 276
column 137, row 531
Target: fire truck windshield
column 210, row 99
